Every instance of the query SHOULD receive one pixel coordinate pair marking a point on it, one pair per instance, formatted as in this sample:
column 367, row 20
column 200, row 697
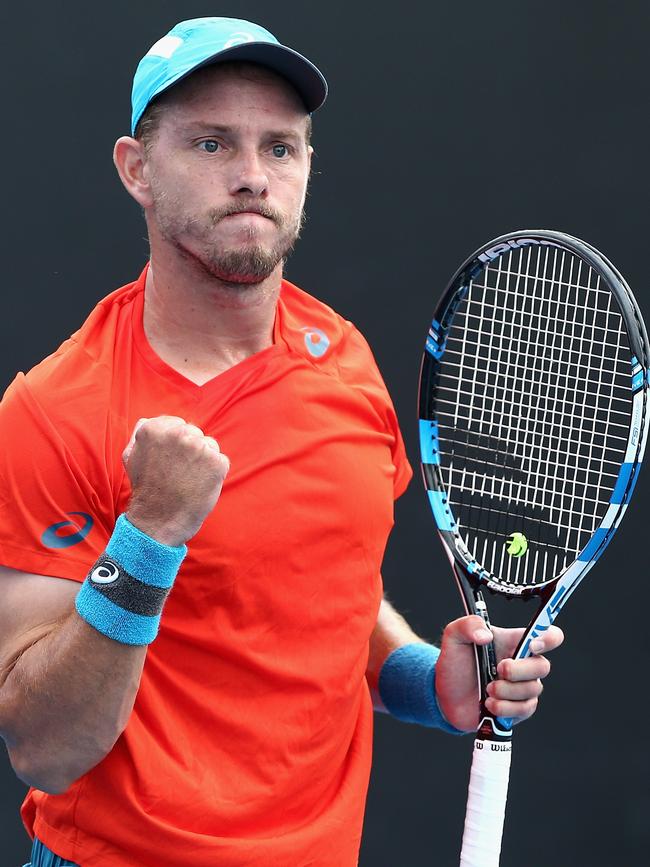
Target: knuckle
column 142, row 428
column 187, row 435
column 186, row 431
column 193, row 430
column 221, row 463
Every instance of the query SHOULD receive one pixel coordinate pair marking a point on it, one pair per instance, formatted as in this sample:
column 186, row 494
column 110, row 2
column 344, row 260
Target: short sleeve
column 56, row 512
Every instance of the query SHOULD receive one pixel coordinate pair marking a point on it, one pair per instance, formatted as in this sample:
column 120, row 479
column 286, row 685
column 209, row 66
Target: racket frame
column 471, row 578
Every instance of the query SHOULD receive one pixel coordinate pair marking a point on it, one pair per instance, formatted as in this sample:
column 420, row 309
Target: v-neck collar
column 178, row 380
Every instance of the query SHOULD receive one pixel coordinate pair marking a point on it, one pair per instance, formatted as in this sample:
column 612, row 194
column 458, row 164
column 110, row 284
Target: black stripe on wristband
column 112, row 581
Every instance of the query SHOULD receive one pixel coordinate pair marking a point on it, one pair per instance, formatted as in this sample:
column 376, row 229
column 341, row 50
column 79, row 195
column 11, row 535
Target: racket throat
column 485, row 654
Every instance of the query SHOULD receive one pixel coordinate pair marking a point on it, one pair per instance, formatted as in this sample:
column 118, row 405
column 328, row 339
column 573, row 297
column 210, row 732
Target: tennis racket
column 533, row 414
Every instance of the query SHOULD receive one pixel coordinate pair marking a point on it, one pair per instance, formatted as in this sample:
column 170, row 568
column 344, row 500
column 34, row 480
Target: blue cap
column 201, row 41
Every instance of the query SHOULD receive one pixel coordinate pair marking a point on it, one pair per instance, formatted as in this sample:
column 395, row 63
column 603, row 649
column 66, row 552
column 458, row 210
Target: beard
column 248, row 263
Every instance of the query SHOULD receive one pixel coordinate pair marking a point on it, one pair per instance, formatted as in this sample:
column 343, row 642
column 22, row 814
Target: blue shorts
column 43, row 857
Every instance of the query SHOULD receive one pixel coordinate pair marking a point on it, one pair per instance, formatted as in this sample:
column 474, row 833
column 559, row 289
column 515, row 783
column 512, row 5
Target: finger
column 549, row 640
column 508, row 691
column 467, row 630
column 515, row 710
column 506, row 641
column 517, row 670
column 223, row 461
column 162, row 422
column 224, row 464
column 156, row 426
column 191, row 431
column 129, row 446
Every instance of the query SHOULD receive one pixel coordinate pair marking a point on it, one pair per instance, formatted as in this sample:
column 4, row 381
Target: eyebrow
column 198, row 127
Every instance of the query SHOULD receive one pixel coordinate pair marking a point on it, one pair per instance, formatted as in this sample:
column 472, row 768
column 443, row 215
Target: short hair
column 147, row 126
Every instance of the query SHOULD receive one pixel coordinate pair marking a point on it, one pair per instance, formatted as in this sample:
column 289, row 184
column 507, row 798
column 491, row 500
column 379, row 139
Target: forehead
column 234, row 89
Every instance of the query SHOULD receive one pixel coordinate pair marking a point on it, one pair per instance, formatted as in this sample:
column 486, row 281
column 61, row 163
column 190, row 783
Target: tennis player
column 197, row 488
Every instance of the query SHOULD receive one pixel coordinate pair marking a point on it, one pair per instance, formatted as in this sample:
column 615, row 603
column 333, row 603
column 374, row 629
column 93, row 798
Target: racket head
column 533, row 411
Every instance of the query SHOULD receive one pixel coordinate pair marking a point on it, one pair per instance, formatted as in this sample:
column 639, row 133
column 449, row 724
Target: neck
column 200, row 325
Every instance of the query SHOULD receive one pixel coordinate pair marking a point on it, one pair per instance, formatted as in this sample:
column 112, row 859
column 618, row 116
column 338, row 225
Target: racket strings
column 533, row 401
column 567, row 327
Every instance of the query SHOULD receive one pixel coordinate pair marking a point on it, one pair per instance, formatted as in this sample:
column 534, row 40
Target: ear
column 130, row 161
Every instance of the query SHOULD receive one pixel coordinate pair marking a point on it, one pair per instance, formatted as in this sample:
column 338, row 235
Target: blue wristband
column 407, row 686
column 125, row 591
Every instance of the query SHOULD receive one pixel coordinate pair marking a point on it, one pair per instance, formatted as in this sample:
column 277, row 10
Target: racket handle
column 486, row 803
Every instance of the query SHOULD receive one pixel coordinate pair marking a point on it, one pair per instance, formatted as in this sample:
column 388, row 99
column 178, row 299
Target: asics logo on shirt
column 56, row 537
column 316, row 341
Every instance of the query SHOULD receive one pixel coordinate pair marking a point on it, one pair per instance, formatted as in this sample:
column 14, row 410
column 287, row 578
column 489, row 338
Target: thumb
column 126, row 454
column 467, row 630
column 457, row 686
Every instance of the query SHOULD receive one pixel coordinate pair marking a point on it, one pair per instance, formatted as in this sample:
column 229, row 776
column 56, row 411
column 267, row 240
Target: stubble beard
column 246, row 265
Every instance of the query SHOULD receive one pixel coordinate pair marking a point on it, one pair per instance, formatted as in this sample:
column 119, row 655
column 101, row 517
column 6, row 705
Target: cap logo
column 165, row 47
column 239, row 39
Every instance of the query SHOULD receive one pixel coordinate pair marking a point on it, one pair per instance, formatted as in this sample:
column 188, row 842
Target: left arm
column 391, row 631
column 514, row 695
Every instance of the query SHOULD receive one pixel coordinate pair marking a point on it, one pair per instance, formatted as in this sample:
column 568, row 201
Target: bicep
column 30, row 607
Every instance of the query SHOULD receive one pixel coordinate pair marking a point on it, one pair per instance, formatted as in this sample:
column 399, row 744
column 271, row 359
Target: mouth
column 248, row 215
column 249, row 212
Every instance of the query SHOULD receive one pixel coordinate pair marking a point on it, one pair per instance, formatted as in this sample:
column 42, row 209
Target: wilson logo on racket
column 517, row 545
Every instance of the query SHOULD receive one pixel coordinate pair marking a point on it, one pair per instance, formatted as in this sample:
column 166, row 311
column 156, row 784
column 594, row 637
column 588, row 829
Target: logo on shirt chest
column 316, row 341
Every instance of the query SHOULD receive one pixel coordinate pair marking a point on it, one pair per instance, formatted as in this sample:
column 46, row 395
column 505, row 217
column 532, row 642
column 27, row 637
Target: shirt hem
column 26, row 560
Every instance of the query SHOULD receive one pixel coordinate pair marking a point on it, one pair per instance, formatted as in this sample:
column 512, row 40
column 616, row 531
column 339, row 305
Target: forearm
column 391, row 631
column 65, row 700
column 67, row 688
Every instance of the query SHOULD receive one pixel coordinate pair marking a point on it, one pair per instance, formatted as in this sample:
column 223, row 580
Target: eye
column 210, row 146
column 280, row 151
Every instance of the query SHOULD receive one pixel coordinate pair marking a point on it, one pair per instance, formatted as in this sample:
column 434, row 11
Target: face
column 227, row 170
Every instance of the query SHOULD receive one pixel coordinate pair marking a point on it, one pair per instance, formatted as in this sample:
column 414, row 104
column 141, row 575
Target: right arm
column 66, row 690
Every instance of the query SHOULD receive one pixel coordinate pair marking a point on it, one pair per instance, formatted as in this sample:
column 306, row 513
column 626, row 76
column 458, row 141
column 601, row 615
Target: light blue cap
column 201, row 41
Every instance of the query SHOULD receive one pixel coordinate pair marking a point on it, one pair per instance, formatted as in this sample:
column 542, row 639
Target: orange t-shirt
column 250, row 741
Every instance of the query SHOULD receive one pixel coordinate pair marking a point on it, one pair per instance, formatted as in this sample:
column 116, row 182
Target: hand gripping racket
column 533, row 420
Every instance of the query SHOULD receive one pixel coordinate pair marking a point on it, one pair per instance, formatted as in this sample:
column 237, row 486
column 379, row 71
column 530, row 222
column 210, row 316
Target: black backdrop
column 446, row 125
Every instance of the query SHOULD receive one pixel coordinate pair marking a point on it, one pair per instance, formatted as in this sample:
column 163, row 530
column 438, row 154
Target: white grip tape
column 486, row 804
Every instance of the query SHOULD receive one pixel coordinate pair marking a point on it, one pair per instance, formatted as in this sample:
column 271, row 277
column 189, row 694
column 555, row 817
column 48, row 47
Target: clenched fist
column 176, row 475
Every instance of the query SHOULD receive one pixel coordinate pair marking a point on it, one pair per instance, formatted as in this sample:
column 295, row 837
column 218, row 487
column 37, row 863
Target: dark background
column 447, row 125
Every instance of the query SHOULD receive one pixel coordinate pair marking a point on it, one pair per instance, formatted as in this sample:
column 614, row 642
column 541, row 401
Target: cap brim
column 300, row 72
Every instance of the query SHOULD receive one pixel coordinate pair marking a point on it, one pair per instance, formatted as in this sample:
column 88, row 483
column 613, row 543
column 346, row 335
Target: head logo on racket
column 517, row 545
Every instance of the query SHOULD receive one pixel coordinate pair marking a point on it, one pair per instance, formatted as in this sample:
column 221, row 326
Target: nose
column 248, row 175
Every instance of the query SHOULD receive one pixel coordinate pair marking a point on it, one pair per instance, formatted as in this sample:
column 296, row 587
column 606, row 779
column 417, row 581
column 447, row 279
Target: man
column 221, row 715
